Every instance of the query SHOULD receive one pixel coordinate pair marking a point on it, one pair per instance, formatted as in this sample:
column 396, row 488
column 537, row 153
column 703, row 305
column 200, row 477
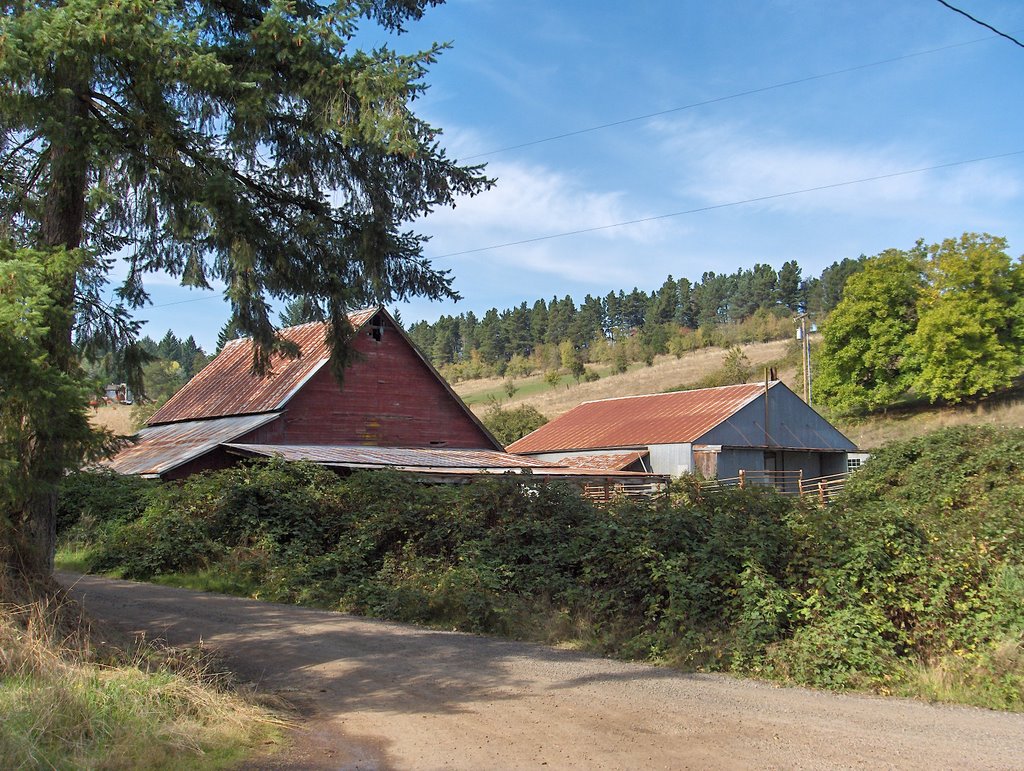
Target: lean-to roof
column 159, row 449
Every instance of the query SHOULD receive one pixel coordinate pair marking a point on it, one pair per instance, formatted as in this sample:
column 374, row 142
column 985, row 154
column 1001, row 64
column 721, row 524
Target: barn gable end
column 391, row 397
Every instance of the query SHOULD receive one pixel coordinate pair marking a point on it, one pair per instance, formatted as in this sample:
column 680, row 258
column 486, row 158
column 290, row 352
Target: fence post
column 800, row 483
column 743, row 478
column 821, row 493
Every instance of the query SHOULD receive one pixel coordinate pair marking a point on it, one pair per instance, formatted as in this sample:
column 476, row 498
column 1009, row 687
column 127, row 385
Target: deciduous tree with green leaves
column 248, row 142
column 970, row 337
column 863, row 360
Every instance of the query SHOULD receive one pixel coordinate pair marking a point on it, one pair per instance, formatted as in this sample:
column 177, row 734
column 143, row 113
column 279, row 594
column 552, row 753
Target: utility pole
column 802, row 336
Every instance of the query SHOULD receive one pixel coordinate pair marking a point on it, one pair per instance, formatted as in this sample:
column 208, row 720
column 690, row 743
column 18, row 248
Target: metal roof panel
column 403, row 457
column 227, row 385
column 640, row 421
column 602, row 461
column 162, row 448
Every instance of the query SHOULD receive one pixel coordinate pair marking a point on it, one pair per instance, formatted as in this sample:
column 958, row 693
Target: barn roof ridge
column 369, row 312
column 771, row 384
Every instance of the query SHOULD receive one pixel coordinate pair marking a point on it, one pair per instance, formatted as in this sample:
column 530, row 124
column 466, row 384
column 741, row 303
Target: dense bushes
column 913, row 583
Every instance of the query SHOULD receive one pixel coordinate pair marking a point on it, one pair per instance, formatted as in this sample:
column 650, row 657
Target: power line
column 718, row 99
column 979, row 21
column 758, row 199
column 190, row 300
column 670, row 215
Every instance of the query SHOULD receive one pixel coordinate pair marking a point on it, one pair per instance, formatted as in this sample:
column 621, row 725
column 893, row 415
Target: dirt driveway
column 383, row 695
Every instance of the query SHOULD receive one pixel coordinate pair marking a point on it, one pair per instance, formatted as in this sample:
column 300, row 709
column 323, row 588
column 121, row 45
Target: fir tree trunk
column 61, row 226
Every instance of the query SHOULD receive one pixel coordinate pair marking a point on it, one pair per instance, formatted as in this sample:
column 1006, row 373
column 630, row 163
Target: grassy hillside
column 916, row 420
column 666, row 373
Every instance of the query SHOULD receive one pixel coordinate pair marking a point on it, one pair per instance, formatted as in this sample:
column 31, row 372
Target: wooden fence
column 824, row 488
column 607, row 489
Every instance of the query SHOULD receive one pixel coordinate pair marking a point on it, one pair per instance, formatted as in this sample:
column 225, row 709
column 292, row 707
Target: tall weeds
column 72, row 699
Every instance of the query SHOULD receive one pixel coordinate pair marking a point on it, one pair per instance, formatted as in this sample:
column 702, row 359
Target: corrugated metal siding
column 227, row 386
column 639, row 421
column 731, row 460
column 672, row 459
column 160, row 449
column 791, row 425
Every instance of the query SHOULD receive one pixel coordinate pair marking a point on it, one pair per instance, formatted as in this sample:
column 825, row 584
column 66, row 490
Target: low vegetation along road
column 383, row 695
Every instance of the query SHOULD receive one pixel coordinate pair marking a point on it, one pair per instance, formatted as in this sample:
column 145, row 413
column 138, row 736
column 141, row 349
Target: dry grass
column 871, row 433
column 72, row 699
column 667, row 372
column 991, row 679
column 117, row 417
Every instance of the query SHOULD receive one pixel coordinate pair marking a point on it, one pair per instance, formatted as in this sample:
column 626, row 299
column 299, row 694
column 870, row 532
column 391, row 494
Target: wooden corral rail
column 824, row 488
column 606, row 490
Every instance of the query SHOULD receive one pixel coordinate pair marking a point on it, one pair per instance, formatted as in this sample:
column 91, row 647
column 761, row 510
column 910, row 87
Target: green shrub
column 845, row 649
column 912, row 582
column 162, row 540
column 91, row 498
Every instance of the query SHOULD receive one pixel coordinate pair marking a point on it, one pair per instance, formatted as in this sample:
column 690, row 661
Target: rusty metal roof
column 429, row 460
column 615, row 461
column 354, row 456
column 162, row 448
column 640, row 421
column 227, row 386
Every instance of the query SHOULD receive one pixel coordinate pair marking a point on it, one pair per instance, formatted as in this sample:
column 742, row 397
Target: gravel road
column 378, row 695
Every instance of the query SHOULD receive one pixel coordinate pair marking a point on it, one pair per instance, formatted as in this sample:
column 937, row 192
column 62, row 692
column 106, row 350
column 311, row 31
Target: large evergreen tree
column 244, row 141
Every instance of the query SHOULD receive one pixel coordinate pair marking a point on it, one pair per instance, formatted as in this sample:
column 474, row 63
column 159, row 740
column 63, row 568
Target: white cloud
column 726, row 163
column 533, row 202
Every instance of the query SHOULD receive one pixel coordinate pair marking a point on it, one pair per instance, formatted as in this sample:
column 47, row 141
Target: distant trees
column 301, row 310
column 946, row 321
column 749, row 305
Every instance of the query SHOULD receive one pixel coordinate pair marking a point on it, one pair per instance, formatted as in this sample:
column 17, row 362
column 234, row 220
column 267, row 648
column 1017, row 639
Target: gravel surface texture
column 379, row 695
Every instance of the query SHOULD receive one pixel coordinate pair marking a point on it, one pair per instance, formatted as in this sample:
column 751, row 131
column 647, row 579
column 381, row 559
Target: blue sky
column 916, row 86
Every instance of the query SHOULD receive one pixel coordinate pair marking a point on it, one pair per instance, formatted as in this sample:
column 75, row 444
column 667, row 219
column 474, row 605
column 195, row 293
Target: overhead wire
column 726, row 98
column 713, row 207
column 703, row 103
column 979, row 21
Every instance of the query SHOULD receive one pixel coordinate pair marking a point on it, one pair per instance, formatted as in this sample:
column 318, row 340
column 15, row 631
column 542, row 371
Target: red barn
column 391, row 398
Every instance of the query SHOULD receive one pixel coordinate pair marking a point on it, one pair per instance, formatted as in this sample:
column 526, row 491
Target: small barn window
column 852, row 464
column 377, row 329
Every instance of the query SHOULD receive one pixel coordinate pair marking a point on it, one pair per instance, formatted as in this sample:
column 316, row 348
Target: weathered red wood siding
column 215, row 460
column 390, row 398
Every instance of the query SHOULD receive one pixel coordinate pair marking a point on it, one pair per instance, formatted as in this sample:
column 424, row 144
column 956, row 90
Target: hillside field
column 116, row 417
column 668, row 373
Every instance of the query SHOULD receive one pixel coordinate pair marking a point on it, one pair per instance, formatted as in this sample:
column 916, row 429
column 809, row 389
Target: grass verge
column 73, row 700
